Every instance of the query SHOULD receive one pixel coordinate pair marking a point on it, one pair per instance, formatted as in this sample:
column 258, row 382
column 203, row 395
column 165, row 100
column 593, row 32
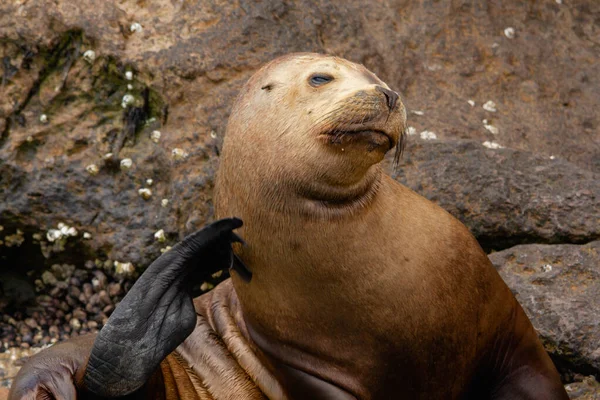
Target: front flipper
column 158, row 313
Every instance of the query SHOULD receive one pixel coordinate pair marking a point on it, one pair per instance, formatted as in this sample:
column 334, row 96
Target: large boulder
column 559, row 288
column 505, row 196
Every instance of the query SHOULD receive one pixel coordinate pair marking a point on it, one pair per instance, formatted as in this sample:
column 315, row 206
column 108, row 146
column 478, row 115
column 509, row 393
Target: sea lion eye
column 319, row 79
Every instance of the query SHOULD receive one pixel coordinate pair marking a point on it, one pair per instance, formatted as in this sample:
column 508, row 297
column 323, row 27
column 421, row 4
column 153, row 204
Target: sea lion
column 360, row 288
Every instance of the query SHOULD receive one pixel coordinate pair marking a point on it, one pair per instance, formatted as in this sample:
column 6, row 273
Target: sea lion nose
column 390, row 96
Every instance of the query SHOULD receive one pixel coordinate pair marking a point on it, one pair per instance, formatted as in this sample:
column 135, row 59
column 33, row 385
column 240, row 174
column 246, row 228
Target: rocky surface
column 584, row 388
column 505, row 196
column 85, row 88
column 559, row 288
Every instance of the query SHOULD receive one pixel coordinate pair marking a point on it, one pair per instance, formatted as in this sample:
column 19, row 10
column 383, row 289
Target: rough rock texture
column 586, row 388
column 505, row 196
column 559, row 288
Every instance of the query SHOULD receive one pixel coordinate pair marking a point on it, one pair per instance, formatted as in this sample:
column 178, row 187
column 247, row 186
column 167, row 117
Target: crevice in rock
column 493, row 243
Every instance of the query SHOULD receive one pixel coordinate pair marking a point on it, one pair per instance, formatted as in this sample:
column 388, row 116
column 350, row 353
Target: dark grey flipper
column 158, row 313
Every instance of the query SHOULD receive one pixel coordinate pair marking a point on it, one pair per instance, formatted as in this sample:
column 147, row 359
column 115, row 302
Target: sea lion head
column 318, row 124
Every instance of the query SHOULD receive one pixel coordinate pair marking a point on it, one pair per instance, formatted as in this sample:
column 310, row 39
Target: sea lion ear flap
column 158, row 313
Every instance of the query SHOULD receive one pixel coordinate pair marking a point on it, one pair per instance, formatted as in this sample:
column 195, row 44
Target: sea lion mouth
column 374, row 136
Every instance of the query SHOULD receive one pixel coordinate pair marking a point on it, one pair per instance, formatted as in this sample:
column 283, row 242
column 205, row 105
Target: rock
column 585, row 389
column 504, row 196
column 559, row 288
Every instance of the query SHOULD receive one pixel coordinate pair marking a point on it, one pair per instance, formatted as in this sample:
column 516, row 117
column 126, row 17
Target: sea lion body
column 360, row 288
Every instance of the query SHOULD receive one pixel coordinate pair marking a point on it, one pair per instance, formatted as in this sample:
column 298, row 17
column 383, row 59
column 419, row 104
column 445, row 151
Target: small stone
column 92, row 169
column 44, row 119
column 471, row 103
column 89, row 56
column 552, row 157
column 179, row 154
column 135, row 27
column 128, row 99
column 489, row 106
column 165, row 249
column 75, row 324
column 30, row 322
column 217, row 274
column 213, row 134
column 35, row 236
column 126, row 164
column 128, row 75
column 87, row 235
column 149, row 182
column 411, row 131
column 418, row 112
column 509, row 32
column 79, row 314
column 206, row 286
column 164, row 202
column 49, row 279
column 155, row 136
column 145, row 193
column 428, row 135
column 129, row 86
column 108, row 156
column 92, row 325
column 29, row 139
column 114, row 289
column 104, row 298
column 160, row 235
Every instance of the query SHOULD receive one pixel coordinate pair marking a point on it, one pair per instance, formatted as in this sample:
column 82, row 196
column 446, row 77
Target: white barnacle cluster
column 546, row 268
column 126, row 164
column 179, row 154
column 124, row 268
column 145, row 193
column 64, row 231
column 92, row 169
column 491, row 128
column 128, row 99
column 136, row 27
column 492, row 145
column 155, row 136
column 428, row 135
column 159, row 235
column 490, row 106
column 89, row 56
